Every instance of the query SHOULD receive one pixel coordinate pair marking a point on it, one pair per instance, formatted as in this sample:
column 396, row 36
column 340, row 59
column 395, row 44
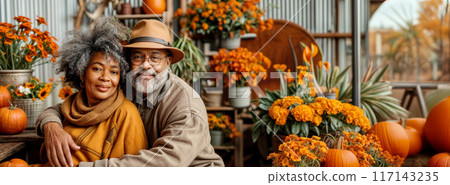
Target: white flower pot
column 213, row 98
column 231, row 43
column 31, row 108
column 217, row 137
column 15, row 77
column 240, row 97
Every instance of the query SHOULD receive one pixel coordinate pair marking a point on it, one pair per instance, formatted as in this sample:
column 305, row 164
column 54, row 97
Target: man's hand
column 58, row 144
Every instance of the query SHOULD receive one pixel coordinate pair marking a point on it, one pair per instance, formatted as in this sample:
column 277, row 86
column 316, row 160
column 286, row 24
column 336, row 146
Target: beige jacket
column 176, row 127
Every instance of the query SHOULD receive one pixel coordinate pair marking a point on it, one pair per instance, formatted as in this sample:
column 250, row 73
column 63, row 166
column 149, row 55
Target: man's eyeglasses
column 153, row 60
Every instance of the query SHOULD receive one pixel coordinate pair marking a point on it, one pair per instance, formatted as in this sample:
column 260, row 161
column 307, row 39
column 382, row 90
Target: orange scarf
column 77, row 112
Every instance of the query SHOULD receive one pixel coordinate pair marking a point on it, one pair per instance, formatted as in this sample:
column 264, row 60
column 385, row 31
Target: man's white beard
column 149, row 86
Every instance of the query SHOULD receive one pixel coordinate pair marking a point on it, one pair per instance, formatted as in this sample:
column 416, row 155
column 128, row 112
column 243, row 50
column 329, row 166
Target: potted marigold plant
column 30, row 98
column 300, row 112
column 242, row 69
column 230, row 18
column 221, row 127
column 23, row 47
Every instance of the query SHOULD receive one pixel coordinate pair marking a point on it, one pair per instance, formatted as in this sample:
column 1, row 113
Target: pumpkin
column 440, row 160
column 14, row 163
column 339, row 157
column 418, row 124
column 393, row 138
column 5, row 96
column 154, row 6
column 12, row 120
column 437, row 126
column 415, row 139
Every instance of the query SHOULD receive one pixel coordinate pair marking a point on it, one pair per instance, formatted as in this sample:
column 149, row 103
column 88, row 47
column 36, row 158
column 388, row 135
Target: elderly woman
column 101, row 121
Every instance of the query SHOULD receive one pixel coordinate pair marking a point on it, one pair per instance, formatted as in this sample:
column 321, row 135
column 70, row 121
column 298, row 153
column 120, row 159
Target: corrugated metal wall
column 59, row 16
column 317, row 16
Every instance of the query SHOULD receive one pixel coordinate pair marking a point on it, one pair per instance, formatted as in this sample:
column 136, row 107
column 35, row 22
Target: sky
column 382, row 18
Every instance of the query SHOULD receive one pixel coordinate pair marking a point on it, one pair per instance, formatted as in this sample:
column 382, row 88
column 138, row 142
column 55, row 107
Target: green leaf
column 256, row 131
column 304, row 129
column 316, row 129
column 295, row 129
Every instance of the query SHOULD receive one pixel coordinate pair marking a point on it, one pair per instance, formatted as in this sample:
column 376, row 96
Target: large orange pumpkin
column 5, row 97
column 14, row 163
column 339, row 157
column 154, row 6
column 437, row 127
column 393, row 138
column 12, row 120
column 440, row 160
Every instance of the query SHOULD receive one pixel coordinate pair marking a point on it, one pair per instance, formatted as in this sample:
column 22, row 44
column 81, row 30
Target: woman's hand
column 58, row 144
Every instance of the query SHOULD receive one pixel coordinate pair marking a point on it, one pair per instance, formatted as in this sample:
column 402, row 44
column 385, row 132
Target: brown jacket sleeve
column 51, row 114
column 180, row 142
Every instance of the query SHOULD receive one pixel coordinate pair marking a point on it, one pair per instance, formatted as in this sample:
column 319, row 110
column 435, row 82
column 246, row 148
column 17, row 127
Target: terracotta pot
column 137, row 10
column 126, row 9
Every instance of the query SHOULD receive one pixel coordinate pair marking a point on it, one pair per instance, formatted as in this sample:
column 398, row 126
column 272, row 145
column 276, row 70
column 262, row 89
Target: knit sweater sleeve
column 51, row 114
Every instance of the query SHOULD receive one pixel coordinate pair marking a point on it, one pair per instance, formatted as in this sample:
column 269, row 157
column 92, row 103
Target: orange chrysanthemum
column 65, row 92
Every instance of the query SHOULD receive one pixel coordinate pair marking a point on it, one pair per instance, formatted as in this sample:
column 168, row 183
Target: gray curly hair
column 80, row 46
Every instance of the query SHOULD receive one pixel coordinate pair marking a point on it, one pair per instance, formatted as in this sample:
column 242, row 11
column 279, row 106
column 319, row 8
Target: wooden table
column 11, row 144
column 413, row 89
column 8, row 149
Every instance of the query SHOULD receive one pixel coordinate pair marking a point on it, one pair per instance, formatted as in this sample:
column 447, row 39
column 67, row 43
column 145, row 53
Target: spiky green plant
column 375, row 96
column 194, row 60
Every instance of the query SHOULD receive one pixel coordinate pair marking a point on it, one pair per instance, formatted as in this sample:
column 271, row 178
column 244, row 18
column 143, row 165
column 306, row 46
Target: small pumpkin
column 154, row 6
column 415, row 139
column 440, row 160
column 418, row 124
column 5, row 96
column 437, row 126
column 393, row 138
column 14, row 163
column 339, row 157
column 13, row 120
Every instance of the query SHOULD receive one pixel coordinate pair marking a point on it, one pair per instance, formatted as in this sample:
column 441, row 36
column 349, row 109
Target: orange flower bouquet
column 240, row 66
column 35, row 89
column 228, row 17
column 299, row 152
column 222, row 122
column 22, row 46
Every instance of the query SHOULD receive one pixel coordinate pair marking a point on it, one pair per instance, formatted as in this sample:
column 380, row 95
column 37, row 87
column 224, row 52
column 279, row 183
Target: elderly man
column 175, row 122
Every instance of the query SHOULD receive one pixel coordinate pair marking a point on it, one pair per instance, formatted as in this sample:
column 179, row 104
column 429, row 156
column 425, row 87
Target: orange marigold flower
column 18, row 93
column 21, row 19
column 29, row 58
column 65, row 92
column 29, row 85
column 205, row 26
column 8, row 41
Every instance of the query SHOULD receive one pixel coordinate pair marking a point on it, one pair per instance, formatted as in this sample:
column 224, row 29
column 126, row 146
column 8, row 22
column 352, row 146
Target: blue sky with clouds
column 386, row 14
